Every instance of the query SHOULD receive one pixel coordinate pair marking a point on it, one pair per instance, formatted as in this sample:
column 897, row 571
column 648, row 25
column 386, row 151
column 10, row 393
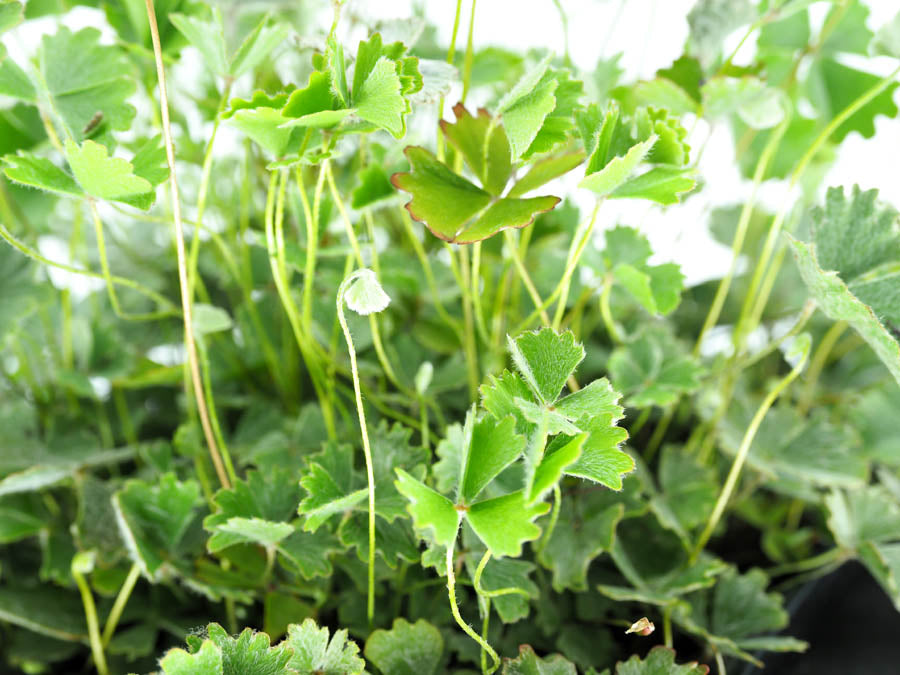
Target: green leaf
column 429, row 509
column 711, row 21
column 653, row 370
column 887, row 40
column 832, row 87
column 524, row 107
column 16, row 524
column 558, row 125
column 585, row 529
column 262, row 119
column 406, row 649
column 379, row 100
column 13, row 80
column 49, row 611
column 528, row 663
column 689, row 488
column 488, row 157
column 325, row 497
column 618, row 170
column 664, row 93
column 494, row 446
column 84, row 78
column 661, row 184
column 545, row 170
column 263, row 501
column 309, row 553
column 506, row 573
column 314, row 654
column 374, row 186
column 249, row 653
column 758, row 105
column 656, row 287
column 12, row 12
column 208, row 36
column 505, row 523
column 454, row 209
column 315, row 105
column 108, row 177
column 153, row 519
column 207, row 659
column 850, row 268
column 394, row 541
column 37, row 172
column 546, row 359
column 210, row 319
column 553, row 465
column 257, row 46
column 660, row 661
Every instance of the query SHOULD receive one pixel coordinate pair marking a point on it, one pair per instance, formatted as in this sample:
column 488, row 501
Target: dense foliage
column 356, row 384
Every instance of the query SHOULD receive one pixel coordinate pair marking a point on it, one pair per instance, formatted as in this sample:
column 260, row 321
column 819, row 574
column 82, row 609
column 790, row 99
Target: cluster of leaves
column 534, row 438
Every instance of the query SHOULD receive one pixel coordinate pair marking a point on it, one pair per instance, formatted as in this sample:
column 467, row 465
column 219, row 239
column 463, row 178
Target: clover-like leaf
column 253, row 510
column 429, row 509
column 207, row 659
column 688, row 489
column 406, row 649
column 493, row 446
column 308, row 553
column 251, row 653
column 506, row 573
column 315, row 654
column 326, row 496
column 456, row 210
column 739, row 610
column 659, row 661
column 505, row 523
column 759, row 106
column 525, row 107
column 84, row 79
column 483, row 145
column 653, row 370
column 656, row 287
column 38, row 172
column 153, row 519
column 12, row 12
column 106, row 177
column 851, row 265
column 262, row 119
column 546, row 359
column 585, row 529
column 528, row 663
column 394, row 541
column 374, row 186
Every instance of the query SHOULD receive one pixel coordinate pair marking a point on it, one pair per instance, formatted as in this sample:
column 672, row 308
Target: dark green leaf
column 406, row 649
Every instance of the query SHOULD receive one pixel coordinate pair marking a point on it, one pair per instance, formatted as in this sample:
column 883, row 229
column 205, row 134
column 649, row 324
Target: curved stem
column 367, row 452
column 554, row 518
column 90, row 615
column 817, row 363
column 740, row 234
column 476, row 581
column 608, row 321
column 118, row 607
column 454, row 609
column 822, row 559
column 741, row 456
column 192, row 364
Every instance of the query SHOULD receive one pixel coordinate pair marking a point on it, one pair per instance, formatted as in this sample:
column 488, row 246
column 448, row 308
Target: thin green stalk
column 554, row 518
column 667, row 626
column 575, row 251
column 90, row 615
column 639, row 423
column 454, row 609
column 742, row 329
column 720, row 662
column 476, row 581
column 476, row 293
column 741, row 456
column 118, row 607
column 525, row 276
column 659, row 433
column 213, row 415
column 740, row 234
column 311, row 218
column 470, row 55
column 125, row 420
column 186, row 309
column 345, row 217
column 485, row 631
column 808, row 308
column 451, row 52
column 614, row 334
column 367, row 452
column 472, row 368
column 817, row 363
column 275, row 244
column 815, row 562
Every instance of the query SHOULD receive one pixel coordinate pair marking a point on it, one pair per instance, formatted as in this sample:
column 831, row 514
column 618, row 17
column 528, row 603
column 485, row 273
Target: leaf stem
column 817, row 363
column 575, row 251
column 742, row 453
column 554, row 518
column 179, row 248
column 118, row 607
column 454, row 609
column 476, row 581
column 367, row 452
column 90, row 615
column 822, row 559
column 614, row 334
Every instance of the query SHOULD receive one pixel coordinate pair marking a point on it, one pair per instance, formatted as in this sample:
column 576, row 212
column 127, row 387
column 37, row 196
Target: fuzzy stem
column 367, row 452
column 817, row 364
column 476, row 581
column 554, row 518
column 196, row 382
column 454, row 609
column 119, row 605
column 90, row 614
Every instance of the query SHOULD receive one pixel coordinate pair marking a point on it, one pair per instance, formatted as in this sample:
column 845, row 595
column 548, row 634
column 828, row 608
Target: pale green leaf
column 494, row 445
column 40, row 173
column 208, row 36
column 618, row 170
column 315, row 654
column 108, row 177
column 659, row 661
column 661, row 184
column 208, row 659
column 528, row 663
column 546, row 359
column 505, row 523
column 429, row 509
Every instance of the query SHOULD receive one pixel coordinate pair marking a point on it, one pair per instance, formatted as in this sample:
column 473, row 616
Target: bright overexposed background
column 650, row 34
